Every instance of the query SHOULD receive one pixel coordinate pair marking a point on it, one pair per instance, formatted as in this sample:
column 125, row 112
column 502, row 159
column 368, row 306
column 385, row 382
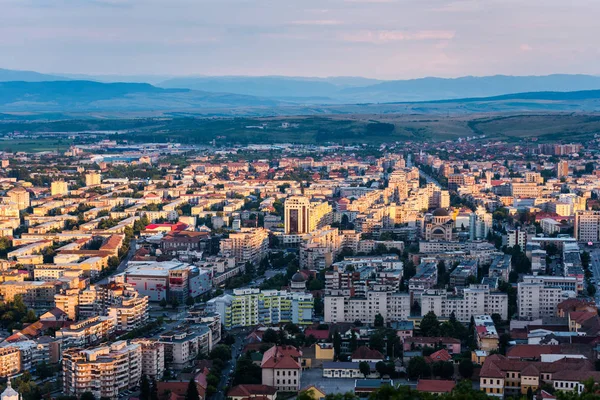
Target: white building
column 538, row 296
column 392, row 307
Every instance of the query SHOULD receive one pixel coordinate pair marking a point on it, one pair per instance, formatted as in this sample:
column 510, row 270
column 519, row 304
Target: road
column 240, row 339
column 123, row 265
column 595, row 268
column 428, row 178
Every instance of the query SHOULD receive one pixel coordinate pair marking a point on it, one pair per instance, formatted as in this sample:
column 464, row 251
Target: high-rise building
column 104, row 371
column 538, row 296
column 153, row 357
column 248, row 245
column 304, row 216
column 93, row 178
column 562, row 169
column 20, row 196
column 59, row 188
column 587, row 226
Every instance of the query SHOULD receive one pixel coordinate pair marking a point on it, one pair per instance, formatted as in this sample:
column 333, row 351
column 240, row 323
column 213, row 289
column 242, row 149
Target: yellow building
column 314, row 392
column 10, row 361
column 59, row 188
column 93, row 178
column 324, row 351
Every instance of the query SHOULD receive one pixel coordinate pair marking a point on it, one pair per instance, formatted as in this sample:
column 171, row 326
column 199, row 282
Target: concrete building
column 105, row 371
column 88, row 332
column 248, row 245
column 538, row 296
column 475, row 300
column 587, row 226
column 59, row 188
column 20, row 196
column 153, row 357
column 249, row 307
column 301, row 215
column 93, row 178
column 10, row 361
column 391, row 305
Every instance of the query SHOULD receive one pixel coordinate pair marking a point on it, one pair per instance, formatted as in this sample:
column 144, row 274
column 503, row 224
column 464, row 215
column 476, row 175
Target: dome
column 9, row 393
column 298, row 277
column 440, row 212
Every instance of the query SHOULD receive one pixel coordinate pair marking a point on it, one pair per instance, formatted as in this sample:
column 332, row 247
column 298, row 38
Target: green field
column 341, row 128
column 33, row 146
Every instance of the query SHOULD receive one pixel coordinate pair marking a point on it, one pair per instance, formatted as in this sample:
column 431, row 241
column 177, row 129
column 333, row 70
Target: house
column 333, row 369
column 242, row 392
column 404, row 329
column 314, row 392
column 435, row 386
column 571, row 305
column 438, row 356
column 363, row 353
column 282, row 368
column 324, row 351
column 450, row 344
column 363, row 387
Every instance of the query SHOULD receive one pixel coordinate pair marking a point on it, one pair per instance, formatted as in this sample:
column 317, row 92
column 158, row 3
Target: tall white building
column 476, row 299
column 538, row 296
column 391, row 305
column 587, row 226
column 248, row 245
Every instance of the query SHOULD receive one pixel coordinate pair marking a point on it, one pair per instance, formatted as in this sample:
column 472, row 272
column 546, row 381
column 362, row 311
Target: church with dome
column 10, row 393
column 298, row 282
column 439, row 225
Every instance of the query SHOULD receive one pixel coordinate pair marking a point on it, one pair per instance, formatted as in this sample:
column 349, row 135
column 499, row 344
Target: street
column 240, row 339
column 595, row 269
column 123, row 265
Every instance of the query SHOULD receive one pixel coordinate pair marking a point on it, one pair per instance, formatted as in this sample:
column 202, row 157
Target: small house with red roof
column 435, row 386
column 438, row 356
column 282, row 368
column 243, row 392
column 363, row 353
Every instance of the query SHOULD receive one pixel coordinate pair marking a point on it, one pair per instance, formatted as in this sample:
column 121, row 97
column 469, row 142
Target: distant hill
column 7, row 75
column 428, row 89
column 56, row 96
column 317, row 89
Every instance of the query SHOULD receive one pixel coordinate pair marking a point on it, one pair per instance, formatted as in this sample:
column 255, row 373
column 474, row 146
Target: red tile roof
column 281, row 357
column 435, row 386
column 440, row 355
column 318, row 334
column 365, row 353
column 531, row 351
column 251, row 391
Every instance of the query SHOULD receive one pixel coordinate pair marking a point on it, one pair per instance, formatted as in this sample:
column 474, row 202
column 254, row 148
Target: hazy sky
column 373, row 38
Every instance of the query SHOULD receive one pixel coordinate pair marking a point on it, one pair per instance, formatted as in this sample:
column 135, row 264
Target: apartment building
column 182, row 346
column 538, row 296
column 10, row 361
column 474, row 300
column 93, row 179
column 153, row 357
column 104, row 371
column 248, row 245
column 249, row 307
column 35, row 294
column 393, row 306
column 59, row 188
column 88, row 332
column 319, row 248
column 129, row 311
column 301, row 215
column 517, row 237
column 587, row 226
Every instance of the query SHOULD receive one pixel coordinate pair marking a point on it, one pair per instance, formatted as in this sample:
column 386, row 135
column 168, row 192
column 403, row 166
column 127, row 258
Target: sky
column 385, row 39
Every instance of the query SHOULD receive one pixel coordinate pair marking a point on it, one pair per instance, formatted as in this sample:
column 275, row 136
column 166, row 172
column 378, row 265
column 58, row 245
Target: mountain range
column 29, row 91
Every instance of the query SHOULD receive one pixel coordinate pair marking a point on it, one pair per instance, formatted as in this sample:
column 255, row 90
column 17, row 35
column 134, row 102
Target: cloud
column 525, row 47
column 318, row 22
column 380, row 37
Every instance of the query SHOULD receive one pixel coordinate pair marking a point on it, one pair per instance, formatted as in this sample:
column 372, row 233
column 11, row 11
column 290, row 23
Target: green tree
column 221, row 352
column 353, row 342
column 418, row 368
column 364, row 368
column 337, row 345
column 174, row 303
column 466, row 368
column 377, row 341
column 381, row 368
column 145, row 388
column 192, row 391
column 163, row 303
column 379, row 321
column 87, row 396
column 270, row 336
column 430, row 326
column 189, row 301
